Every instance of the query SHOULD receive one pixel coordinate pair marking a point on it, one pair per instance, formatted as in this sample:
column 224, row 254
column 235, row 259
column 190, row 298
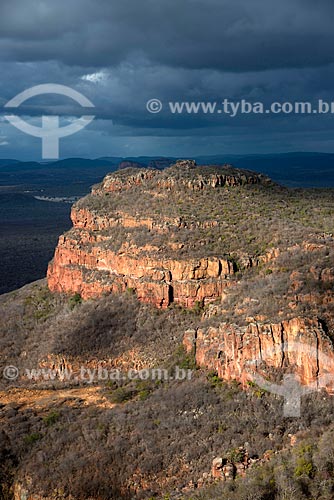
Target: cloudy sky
column 122, row 53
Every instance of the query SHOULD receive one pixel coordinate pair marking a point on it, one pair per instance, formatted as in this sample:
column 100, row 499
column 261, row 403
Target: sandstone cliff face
column 213, row 178
column 103, row 254
column 298, row 345
column 81, row 265
column 161, row 235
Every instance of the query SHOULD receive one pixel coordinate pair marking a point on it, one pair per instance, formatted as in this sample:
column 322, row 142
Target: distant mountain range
column 291, row 169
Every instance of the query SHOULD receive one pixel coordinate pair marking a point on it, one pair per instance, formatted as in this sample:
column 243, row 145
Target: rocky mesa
column 255, row 258
column 143, row 230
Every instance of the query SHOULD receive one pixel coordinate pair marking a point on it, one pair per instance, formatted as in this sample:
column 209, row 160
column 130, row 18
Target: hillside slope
column 143, row 438
column 213, row 272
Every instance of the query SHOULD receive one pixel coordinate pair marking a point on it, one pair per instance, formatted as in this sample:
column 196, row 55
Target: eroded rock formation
column 113, row 247
column 161, row 235
column 299, row 345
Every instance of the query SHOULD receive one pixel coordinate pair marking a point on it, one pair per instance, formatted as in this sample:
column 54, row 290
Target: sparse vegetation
column 252, row 218
column 75, row 300
column 142, row 439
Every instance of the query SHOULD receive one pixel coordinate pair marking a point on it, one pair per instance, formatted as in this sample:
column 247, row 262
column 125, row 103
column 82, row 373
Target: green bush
column 304, row 462
column 214, row 380
column 32, row 438
column 121, row 395
column 51, row 418
column 75, row 300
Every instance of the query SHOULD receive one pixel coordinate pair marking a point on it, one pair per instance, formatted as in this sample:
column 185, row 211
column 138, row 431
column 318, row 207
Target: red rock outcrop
column 149, row 232
column 235, row 353
column 81, row 265
column 98, row 256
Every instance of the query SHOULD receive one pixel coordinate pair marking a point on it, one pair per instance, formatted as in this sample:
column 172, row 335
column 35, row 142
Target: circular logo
column 50, row 132
column 11, row 372
column 154, row 106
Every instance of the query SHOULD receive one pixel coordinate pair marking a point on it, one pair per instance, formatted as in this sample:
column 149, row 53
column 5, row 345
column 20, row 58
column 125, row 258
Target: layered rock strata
column 299, row 346
column 104, row 253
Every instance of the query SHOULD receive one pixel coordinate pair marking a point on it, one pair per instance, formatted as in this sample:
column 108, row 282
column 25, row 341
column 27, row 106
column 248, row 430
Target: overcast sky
column 121, row 53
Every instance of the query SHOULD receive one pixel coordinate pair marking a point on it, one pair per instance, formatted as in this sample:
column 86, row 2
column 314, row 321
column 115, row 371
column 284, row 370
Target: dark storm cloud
column 121, row 53
column 231, row 36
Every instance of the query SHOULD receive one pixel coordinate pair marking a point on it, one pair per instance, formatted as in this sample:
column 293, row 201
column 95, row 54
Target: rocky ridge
column 87, row 262
column 161, row 235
